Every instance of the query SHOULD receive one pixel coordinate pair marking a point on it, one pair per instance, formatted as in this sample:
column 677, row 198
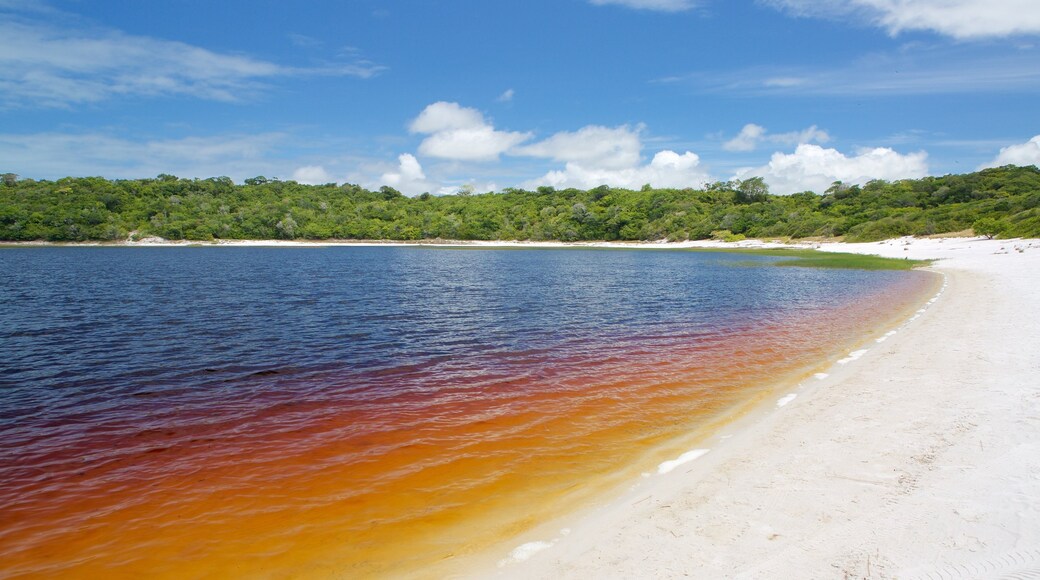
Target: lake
column 371, row 411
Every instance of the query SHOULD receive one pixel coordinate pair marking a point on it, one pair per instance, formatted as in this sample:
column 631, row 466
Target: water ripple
column 193, row 411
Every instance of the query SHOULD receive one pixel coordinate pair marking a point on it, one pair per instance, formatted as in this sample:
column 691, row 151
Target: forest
column 998, row 202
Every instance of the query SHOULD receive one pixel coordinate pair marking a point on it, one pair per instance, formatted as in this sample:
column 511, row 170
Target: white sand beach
column 917, row 456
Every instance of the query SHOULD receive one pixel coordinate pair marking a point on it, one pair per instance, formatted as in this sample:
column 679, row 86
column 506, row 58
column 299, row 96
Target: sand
column 915, row 456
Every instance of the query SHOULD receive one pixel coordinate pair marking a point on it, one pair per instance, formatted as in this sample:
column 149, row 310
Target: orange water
column 406, row 484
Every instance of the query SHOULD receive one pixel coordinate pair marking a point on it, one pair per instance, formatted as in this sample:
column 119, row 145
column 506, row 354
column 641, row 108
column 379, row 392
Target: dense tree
column 988, row 227
column 751, row 190
column 1002, row 202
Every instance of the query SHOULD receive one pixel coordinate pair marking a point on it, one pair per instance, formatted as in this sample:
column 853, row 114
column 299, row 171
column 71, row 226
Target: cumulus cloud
column 595, row 155
column 311, row 175
column 655, row 5
column 813, row 168
column 461, row 134
column 479, row 144
column 591, row 146
column 963, row 19
column 506, row 96
column 592, row 156
column 408, row 178
column 1027, row 153
column 752, row 135
column 43, row 64
column 813, row 133
column 667, row 169
column 444, row 116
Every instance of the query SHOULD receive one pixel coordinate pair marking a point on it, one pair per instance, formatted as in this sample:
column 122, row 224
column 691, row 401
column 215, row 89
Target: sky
column 438, row 95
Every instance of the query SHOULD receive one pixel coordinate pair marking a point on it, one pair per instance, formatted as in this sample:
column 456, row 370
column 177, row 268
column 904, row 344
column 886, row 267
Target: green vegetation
column 1001, row 202
column 989, row 227
column 816, row 259
column 854, row 261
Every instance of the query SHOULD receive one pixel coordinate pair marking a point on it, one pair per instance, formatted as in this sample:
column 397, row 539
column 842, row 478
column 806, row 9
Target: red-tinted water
column 274, row 485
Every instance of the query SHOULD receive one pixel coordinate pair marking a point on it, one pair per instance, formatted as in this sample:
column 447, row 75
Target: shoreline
column 705, row 444
column 914, row 455
column 160, row 243
column 885, row 248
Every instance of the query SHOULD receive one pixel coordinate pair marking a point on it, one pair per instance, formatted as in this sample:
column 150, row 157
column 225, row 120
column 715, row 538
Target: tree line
column 1002, row 202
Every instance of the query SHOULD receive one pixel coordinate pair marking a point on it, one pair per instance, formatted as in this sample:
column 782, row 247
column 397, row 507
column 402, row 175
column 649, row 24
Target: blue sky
column 434, row 95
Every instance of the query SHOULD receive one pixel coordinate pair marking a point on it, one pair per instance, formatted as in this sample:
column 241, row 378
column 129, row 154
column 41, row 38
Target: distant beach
column 660, row 245
column 146, row 242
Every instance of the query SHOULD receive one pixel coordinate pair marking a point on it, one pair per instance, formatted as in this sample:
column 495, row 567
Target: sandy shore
column 916, row 457
column 159, row 242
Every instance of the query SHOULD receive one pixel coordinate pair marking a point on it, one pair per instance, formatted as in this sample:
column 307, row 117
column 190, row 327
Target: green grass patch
column 816, row 259
column 802, row 258
column 798, row 257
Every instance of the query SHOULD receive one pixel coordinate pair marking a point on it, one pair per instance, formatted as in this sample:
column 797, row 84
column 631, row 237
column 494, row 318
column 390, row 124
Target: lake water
column 358, row 412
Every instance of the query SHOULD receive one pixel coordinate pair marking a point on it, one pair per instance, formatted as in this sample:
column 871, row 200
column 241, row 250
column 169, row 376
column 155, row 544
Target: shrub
column 726, row 236
column 989, row 227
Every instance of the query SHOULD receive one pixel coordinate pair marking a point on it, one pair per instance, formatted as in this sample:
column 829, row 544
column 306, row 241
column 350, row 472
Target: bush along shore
column 999, row 202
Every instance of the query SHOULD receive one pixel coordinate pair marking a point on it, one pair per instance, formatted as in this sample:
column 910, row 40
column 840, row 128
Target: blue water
column 123, row 322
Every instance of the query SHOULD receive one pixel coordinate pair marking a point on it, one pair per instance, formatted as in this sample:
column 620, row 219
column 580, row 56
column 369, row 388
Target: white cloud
column 45, row 65
column 595, row 155
column 747, row 140
column 813, row 168
column 480, row 144
column 1027, row 153
column 655, row 5
column 591, row 146
column 444, row 116
column 783, row 82
column 55, row 155
column 408, row 178
column 312, row 175
column 752, row 135
column 808, row 135
column 667, row 169
column 461, row 134
column 913, row 69
column 506, row 96
column 470, row 186
column 592, row 155
column 963, row 19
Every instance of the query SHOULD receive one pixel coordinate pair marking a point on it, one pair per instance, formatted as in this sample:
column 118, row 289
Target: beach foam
column 787, row 399
column 854, row 355
column 687, row 457
column 524, row 552
column 887, row 336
